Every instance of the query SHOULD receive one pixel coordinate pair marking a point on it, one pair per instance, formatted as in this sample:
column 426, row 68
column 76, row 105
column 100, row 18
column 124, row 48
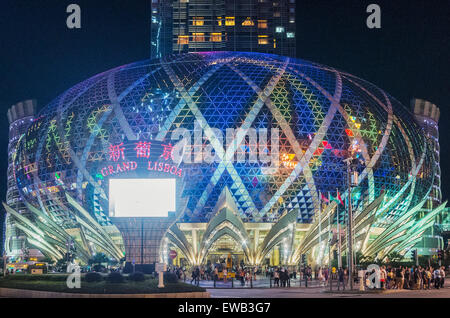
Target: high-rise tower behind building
column 265, row 26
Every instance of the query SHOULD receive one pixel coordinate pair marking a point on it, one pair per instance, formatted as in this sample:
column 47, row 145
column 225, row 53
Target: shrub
column 29, row 277
column 58, row 278
column 115, row 278
column 170, row 277
column 98, row 268
column 93, row 277
column 25, row 277
column 137, row 277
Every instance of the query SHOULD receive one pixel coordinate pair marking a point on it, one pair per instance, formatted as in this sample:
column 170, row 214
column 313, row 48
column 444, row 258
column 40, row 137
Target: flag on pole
column 334, row 199
column 324, row 198
column 339, row 198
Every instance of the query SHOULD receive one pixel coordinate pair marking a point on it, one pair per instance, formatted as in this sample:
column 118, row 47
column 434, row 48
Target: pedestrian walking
column 442, row 278
column 437, row 278
column 341, row 278
column 276, row 277
column 383, row 276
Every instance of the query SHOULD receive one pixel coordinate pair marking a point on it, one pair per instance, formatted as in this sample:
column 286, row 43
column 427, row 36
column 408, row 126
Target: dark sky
column 409, row 57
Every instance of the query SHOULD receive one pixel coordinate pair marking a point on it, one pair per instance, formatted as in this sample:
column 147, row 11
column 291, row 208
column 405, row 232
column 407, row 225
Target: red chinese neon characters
column 167, row 152
column 143, row 149
column 116, row 152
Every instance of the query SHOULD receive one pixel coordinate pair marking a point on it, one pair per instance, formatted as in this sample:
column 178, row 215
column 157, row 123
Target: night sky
column 408, row 57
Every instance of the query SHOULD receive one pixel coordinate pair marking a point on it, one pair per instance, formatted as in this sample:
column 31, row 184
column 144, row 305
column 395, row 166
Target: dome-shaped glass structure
column 240, row 108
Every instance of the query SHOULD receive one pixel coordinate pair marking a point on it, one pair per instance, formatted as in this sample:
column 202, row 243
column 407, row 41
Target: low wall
column 25, row 293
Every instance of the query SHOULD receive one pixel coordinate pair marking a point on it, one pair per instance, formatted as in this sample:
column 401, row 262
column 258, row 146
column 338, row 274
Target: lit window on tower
column 279, row 29
column 229, row 21
column 219, row 21
column 198, row 21
column 263, row 39
column 290, row 34
column 183, row 39
column 262, row 24
column 198, row 37
column 248, row 22
column 216, row 37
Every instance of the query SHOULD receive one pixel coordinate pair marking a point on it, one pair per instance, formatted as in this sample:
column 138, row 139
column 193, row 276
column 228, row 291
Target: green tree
column 334, row 261
column 394, row 258
column 113, row 262
column 367, row 260
column 98, row 258
column 48, row 260
column 61, row 265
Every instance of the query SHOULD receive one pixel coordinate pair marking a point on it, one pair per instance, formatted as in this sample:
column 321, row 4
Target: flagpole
column 339, row 239
column 330, row 214
column 329, row 239
column 320, row 228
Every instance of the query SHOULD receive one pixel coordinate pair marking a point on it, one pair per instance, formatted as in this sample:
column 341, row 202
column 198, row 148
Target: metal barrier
column 288, row 283
column 267, row 282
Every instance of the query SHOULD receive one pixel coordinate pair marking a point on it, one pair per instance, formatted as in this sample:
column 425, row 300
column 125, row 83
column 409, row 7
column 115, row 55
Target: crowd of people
column 400, row 277
column 281, row 276
column 216, row 272
column 403, row 277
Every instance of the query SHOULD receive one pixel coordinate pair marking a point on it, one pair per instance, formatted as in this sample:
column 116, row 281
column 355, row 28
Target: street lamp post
column 349, row 223
column 351, row 168
column 4, row 264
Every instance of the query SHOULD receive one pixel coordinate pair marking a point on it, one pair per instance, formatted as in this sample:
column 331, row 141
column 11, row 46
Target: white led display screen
column 141, row 197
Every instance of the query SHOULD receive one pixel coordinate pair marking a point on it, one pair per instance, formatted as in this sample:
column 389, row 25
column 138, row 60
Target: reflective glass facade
column 63, row 161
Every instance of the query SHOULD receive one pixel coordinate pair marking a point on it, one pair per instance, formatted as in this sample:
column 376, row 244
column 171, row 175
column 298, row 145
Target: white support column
column 195, row 244
column 256, row 240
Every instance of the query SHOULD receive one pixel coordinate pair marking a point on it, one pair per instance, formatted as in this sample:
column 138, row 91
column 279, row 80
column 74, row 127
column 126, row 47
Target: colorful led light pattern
column 319, row 111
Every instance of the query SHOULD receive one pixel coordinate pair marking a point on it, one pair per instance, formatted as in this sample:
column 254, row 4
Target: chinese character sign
column 116, row 152
column 143, row 149
column 167, row 152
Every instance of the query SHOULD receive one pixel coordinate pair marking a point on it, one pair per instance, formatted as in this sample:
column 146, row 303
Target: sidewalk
column 324, row 292
column 258, row 283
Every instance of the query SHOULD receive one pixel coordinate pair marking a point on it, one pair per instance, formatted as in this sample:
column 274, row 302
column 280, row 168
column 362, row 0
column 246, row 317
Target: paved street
column 321, row 292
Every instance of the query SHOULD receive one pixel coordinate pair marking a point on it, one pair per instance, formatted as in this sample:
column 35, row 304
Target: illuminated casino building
column 99, row 164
